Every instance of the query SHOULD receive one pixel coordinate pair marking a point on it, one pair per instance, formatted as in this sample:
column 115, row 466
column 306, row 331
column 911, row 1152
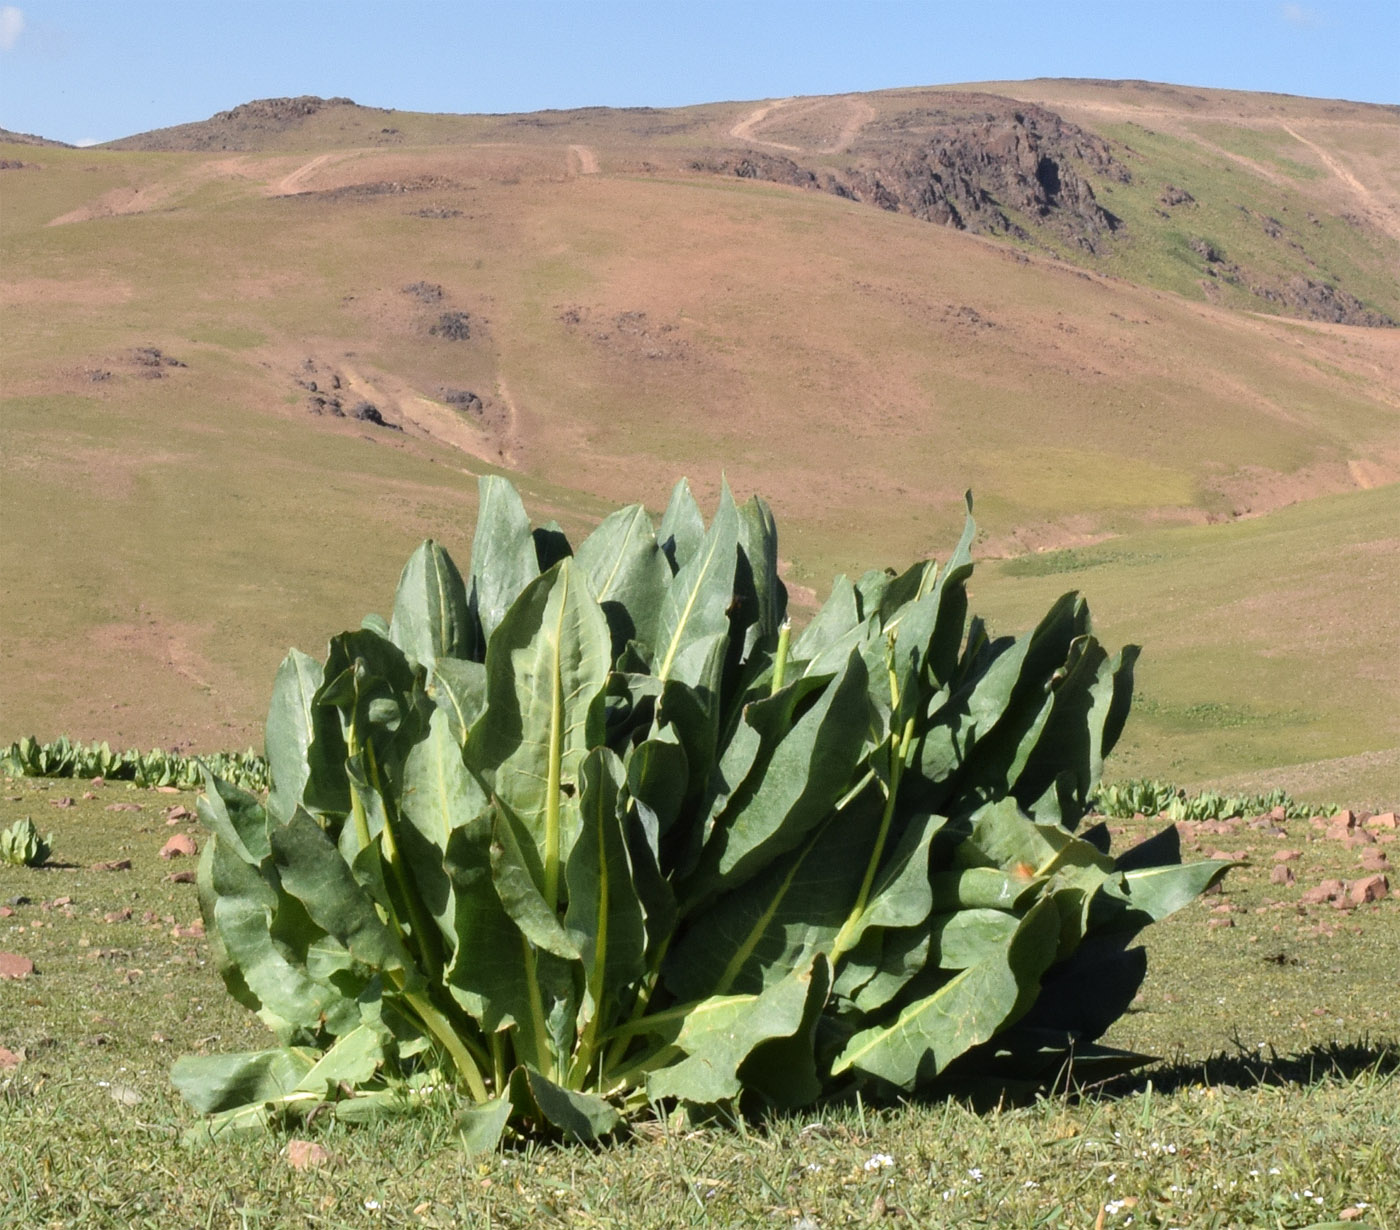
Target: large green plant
column 584, row 830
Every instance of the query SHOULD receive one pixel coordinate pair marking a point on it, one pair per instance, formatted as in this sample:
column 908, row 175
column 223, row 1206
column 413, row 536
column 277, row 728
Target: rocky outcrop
column 980, row 163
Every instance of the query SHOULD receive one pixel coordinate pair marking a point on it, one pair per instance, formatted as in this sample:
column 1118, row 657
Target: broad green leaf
column 488, row 974
column 311, row 869
column 900, row 894
column 431, row 619
column 838, row 617
column 1155, row 892
column 950, row 590
column 482, row 1126
column 719, row 1034
column 439, row 795
column 971, row 937
column 629, row 574
column 547, row 668
column 605, row 912
column 504, row 560
column 290, row 726
column 784, row 1071
column 761, row 593
column 583, row 1117
column 658, row 774
column 242, row 909
column 697, row 601
column 748, row 939
column 519, row 878
column 212, row 1083
column 1002, row 836
column 802, row 777
column 966, row 1010
column 882, row 965
column 458, row 688
column 982, row 888
column 682, row 527
column 353, row 1060
column 236, row 818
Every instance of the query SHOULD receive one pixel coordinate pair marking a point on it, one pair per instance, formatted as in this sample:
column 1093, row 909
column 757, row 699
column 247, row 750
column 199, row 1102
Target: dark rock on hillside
column 970, row 165
column 454, row 326
column 1320, row 301
column 368, row 412
column 464, row 399
column 979, row 163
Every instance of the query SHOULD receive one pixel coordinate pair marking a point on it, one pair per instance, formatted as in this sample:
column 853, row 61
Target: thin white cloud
column 1300, row 15
column 84, row 142
column 11, row 26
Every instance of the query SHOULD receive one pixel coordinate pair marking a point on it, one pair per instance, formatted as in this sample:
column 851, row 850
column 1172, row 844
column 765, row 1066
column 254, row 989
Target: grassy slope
column 170, row 537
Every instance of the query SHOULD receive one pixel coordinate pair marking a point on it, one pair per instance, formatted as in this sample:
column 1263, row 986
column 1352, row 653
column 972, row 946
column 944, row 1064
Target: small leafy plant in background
column 1149, row 797
column 21, row 845
column 580, row 832
column 62, row 757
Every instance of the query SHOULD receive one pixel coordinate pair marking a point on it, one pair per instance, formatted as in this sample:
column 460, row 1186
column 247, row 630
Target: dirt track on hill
column 861, row 113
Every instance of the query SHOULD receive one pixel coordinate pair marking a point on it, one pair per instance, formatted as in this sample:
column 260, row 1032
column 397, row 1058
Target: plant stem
column 898, row 750
column 781, row 657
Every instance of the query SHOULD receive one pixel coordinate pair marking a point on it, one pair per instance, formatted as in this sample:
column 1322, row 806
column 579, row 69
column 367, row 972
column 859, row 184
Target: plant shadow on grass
column 1247, row 1068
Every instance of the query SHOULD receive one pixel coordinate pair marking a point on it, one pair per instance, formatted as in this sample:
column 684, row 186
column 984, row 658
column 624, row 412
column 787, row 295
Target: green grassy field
column 1273, row 1103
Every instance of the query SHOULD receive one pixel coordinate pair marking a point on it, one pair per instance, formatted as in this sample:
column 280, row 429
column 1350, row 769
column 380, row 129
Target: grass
column 1247, row 641
column 1274, row 1105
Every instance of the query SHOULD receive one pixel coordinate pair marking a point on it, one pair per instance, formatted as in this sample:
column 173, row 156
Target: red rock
column 1357, row 838
column 1386, row 820
column 116, row 864
column 1287, row 856
column 173, row 815
column 1220, row 922
column 1229, row 856
column 167, row 789
column 181, row 877
column 179, row 846
column 123, row 807
column 1278, row 814
column 194, row 931
column 12, row 965
column 1318, row 822
column 116, row 916
column 6, row 911
column 63, row 802
column 1370, row 888
column 9, row 1058
column 1326, row 891
column 307, row 1154
column 88, row 794
column 1345, row 819
column 1374, row 860
column 1282, row 875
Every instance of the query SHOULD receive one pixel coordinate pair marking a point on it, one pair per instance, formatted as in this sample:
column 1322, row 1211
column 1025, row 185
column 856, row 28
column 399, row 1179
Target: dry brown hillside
column 249, row 362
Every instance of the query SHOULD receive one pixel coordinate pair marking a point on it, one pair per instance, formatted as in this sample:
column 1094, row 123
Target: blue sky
column 89, row 70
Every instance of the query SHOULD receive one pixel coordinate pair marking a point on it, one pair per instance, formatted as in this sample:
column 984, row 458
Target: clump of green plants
column 581, row 832
column 62, row 757
column 21, row 845
column 1150, row 797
